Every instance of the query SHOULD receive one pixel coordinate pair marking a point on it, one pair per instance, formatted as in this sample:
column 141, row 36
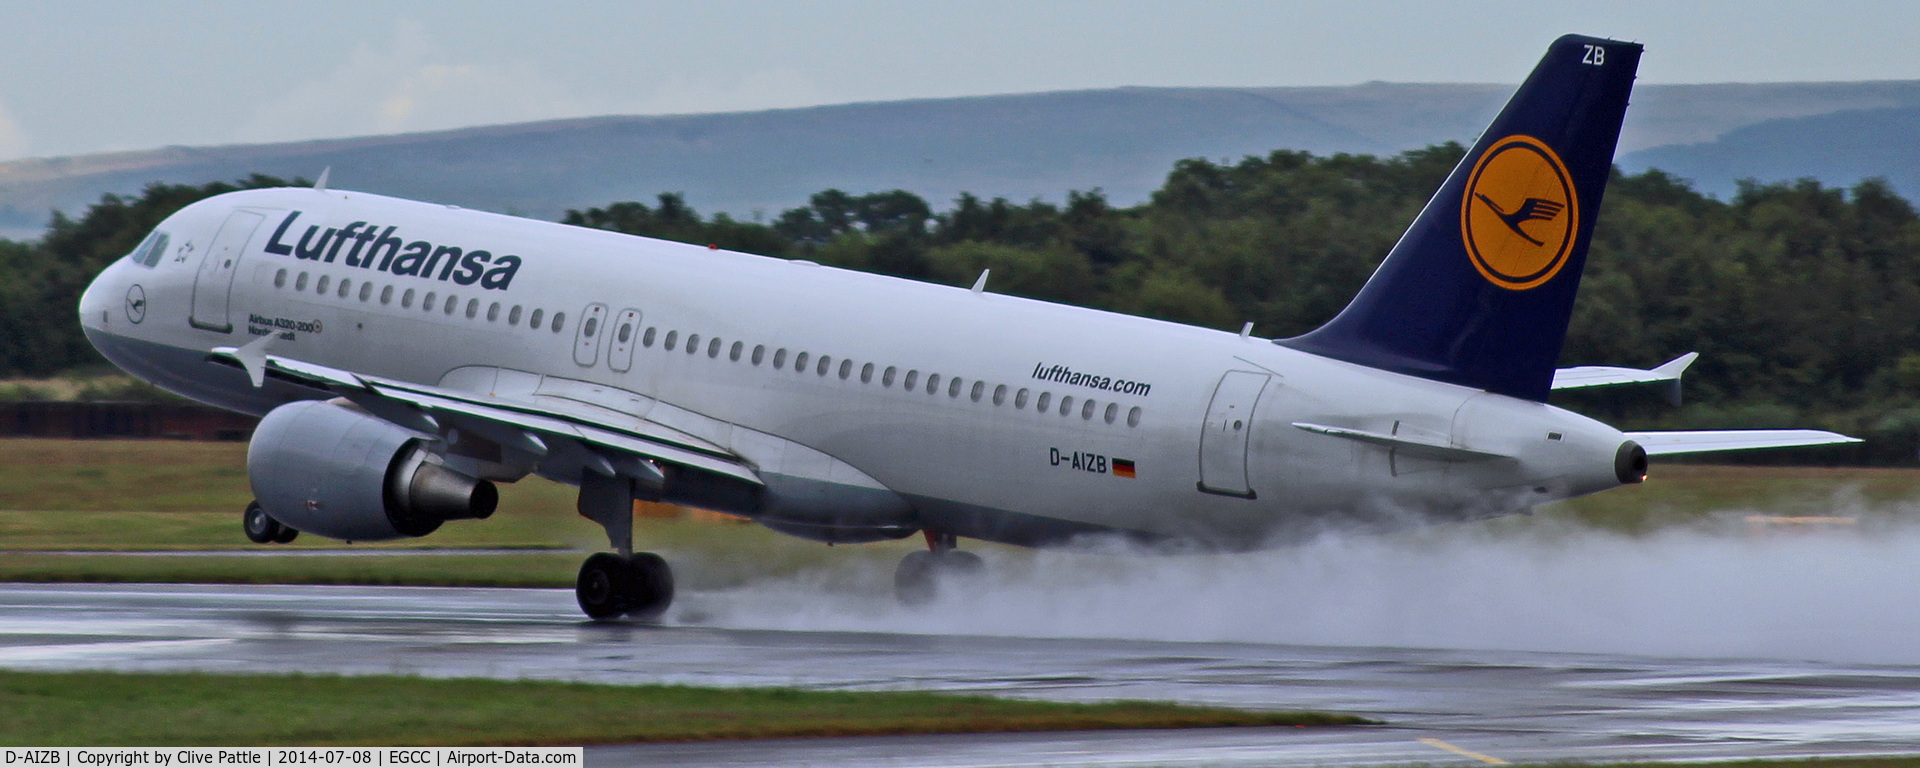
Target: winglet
column 980, row 285
column 1671, row 371
column 253, row 358
column 321, row 185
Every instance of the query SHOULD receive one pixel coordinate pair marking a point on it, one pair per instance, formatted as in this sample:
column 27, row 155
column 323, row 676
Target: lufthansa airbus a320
column 407, row 356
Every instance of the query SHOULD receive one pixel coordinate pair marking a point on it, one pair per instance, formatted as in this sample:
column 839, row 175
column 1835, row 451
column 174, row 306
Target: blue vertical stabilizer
column 1478, row 291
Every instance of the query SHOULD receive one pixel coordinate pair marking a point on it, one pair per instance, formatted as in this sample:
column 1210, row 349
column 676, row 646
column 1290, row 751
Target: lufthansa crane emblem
column 136, row 304
column 1520, row 215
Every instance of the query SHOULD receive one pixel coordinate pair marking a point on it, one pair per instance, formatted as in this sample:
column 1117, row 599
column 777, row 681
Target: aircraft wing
column 1705, row 441
column 1584, row 376
column 528, row 427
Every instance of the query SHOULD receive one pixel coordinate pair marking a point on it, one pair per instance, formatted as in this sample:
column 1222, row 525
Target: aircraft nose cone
column 95, row 309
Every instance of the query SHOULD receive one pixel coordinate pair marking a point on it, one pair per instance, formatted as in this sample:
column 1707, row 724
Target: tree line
column 1803, row 299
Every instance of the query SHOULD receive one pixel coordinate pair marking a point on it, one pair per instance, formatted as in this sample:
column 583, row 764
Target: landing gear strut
column 924, row 576
column 619, row 583
column 261, row 528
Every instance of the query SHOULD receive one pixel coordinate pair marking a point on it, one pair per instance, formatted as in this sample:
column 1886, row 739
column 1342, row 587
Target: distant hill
column 1019, row 146
column 1837, row 148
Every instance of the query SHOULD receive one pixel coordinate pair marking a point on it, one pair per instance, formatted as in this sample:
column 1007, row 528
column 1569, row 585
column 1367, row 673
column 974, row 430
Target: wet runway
column 1443, row 706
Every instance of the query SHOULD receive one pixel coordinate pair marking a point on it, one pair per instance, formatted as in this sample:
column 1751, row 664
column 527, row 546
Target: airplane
column 406, row 356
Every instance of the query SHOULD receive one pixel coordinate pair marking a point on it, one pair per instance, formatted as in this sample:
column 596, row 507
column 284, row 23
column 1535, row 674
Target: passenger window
column 473, row 308
column 513, row 315
column 427, row 303
column 1020, row 399
column 912, row 376
column 1086, row 410
column 452, row 303
column 846, row 369
column 1113, row 411
column 733, row 353
column 933, row 383
column 559, row 321
column 1040, row 405
column 406, row 299
column 366, row 291
column 979, row 388
column 626, row 333
column 321, row 287
column 866, row 373
column 386, row 295
column 1066, row 405
column 300, row 283
column 280, row 278
column 493, row 312
column 533, row 320
column 646, row 339
column 886, row 378
column 344, row 285
column 759, row 353
column 593, row 324
column 800, row 362
column 780, row 359
column 825, row 362
column 1133, row 416
column 953, row 388
column 713, row 348
column 693, row 343
column 673, row 337
column 1000, row 395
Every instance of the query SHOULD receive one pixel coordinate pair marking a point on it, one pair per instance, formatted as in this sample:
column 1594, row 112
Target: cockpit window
column 150, row 250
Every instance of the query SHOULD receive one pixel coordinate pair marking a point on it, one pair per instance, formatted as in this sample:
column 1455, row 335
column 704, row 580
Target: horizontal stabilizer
column 1706, row 441
column 1411, row 445
column 1583, row 376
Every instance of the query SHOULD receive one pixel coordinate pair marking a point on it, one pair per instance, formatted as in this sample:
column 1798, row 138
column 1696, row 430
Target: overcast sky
column 79, row 76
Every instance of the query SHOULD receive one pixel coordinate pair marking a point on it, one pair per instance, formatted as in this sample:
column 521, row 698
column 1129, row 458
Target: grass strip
column 197, row 709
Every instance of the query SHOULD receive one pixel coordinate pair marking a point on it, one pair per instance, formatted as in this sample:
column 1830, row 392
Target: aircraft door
column 586, row 335
column 626, row 331
column 1223, row 441
column 213, row 284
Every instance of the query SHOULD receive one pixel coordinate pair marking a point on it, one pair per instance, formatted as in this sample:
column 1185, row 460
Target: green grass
column 1693, row 495
column 111, row 709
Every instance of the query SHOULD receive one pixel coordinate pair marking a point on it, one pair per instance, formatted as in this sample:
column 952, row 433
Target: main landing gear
column 924, row 576
column 261, row 528
column 620, row 583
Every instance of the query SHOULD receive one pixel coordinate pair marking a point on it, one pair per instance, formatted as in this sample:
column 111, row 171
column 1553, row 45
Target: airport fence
column 106, row 419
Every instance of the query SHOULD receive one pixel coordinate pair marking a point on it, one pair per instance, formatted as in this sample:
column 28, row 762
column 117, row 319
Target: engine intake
column 330, row 470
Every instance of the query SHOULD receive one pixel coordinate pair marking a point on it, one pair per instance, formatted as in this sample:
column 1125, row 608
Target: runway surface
column 1444, row 706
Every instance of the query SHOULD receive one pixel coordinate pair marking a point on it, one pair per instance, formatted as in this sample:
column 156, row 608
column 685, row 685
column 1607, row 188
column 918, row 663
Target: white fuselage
column 1206, row 418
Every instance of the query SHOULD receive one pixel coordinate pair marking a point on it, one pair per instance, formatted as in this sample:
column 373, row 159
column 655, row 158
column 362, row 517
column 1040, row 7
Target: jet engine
column 335, row 471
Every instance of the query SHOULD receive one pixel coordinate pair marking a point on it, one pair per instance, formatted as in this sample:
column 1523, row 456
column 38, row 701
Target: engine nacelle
column 337, row 472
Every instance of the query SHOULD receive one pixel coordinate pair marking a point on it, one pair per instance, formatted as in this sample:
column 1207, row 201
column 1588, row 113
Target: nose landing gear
column 923, row 577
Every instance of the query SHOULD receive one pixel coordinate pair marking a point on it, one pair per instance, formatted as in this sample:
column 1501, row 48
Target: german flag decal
column 1123, row 467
